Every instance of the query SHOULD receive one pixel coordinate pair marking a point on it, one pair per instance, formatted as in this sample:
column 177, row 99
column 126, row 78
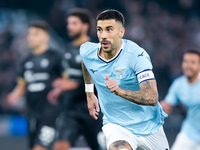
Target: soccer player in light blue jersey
column 186, row 89
column 127, row 91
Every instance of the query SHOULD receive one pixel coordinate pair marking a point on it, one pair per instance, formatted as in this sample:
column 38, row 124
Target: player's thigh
column 67, row 129
column 115, row 133
column 183, row 142
column 156, row 141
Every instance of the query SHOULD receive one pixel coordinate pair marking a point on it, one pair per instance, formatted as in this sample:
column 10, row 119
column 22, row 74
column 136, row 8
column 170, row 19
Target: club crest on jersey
column 120, row 72
column 44, row 63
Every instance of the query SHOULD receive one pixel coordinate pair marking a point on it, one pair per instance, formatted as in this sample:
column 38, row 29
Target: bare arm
column 86, row 75
column 18, row 92
column 166, row 107
column 148, row 95
column 92, row 101
column 59, row 86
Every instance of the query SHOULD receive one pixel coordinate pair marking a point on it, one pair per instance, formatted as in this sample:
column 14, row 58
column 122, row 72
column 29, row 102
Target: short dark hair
column 193, row 51
column 83, row 14
column 40, row 24
column 111, row 14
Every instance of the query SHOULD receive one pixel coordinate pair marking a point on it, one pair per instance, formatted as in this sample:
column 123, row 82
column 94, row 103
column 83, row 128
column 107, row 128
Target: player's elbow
column 152, row 99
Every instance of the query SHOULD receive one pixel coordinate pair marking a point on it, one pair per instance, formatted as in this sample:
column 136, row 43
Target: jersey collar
column 112, row 59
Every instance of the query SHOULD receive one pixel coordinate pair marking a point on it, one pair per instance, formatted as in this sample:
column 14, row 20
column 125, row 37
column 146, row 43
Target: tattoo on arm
column 86, row 75
column 148, row 94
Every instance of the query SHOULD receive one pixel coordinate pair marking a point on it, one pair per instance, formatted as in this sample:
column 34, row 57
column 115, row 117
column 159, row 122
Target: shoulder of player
column 88, row 47
column 54, row 52
column 26, row 59
column 133, row 48
column 179, row 80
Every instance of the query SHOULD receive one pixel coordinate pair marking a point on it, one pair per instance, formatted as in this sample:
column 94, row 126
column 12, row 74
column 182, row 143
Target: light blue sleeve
column 143, row 61
column 83, row 50
column 171, row 97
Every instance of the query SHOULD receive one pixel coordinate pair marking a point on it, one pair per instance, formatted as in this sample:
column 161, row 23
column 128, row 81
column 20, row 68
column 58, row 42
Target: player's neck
column 82, row 39
column 194, row 79
column 108, row 56
column 40, row 49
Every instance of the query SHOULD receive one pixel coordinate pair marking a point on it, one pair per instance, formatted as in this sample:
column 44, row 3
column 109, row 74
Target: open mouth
column 105, row 44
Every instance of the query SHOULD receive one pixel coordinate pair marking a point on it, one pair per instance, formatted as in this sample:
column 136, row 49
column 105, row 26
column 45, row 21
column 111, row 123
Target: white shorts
column 183, row 142
column 156, row 141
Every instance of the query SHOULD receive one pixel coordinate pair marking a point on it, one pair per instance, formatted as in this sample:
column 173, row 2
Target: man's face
column 109, row 33
column 36, row 37
column 74, row 27
column 191, row 64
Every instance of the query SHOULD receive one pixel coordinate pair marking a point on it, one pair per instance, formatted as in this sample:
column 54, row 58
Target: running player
column 75, row 119
column 36, row 74
column 186, row 89
column 127, row 92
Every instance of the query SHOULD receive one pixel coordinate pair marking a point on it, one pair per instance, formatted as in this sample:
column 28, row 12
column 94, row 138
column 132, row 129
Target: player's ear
column 122, row 31
column 85, row 27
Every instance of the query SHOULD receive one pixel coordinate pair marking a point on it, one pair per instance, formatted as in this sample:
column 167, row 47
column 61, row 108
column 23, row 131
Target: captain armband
column 89, row 88
column 145, row 75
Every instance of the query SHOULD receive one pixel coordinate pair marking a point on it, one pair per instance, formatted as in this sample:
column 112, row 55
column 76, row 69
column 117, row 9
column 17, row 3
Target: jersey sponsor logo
column 44, row 63
column 93, row 71
column 47, row 135
column 145, row 75
column 29, row 65
column 141, row 54
column 120, row 72
column 32, row 77
column 36, row 87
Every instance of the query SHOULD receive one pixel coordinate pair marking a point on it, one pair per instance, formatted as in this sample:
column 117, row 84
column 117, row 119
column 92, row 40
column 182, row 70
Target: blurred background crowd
column 164, row 28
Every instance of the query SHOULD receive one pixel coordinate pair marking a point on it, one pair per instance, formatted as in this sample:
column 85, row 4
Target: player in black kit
column 75, row 119
column 36, row 74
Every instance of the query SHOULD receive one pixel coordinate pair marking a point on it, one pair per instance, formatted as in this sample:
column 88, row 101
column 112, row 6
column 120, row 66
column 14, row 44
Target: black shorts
column 41, row 130
column 69, row 126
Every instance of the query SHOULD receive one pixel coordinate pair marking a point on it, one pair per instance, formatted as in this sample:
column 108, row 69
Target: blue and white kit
column 130, row 67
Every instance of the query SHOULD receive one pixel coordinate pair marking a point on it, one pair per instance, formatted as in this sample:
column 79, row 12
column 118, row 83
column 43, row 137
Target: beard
column 75, row 36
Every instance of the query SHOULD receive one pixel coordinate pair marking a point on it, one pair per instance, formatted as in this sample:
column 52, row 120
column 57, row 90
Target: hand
column 12, row 99
column 53, row 96
column 65, row 84
column 166, row 107
column 93, row 105
column 111, row 85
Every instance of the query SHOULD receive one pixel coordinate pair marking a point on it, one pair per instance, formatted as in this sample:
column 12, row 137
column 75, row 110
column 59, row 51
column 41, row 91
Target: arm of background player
column 148, row 95
column 167, row 108
column 65, row 83
column 92, row 101
column 18, row 92
column 59, row 86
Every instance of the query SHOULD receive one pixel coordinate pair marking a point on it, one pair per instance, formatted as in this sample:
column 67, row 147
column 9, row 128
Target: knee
column 120, row 145
column 61, row 145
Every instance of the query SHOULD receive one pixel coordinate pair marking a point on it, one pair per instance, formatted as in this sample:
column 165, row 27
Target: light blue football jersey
column 123, row 68
column 189, row 95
